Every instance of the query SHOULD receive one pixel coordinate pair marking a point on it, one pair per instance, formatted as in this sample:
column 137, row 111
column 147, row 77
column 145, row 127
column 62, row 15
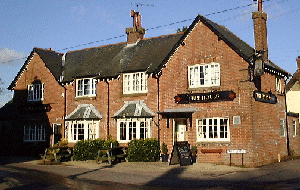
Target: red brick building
column 205, row 86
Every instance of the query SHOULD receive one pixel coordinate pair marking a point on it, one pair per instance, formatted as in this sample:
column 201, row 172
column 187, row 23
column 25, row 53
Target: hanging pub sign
column 205, row 97
column 36, row 108
column 264, row 97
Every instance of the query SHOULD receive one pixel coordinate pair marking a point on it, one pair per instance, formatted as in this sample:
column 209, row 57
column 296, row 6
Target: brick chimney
column 298, row 64
column 260, row 30
column 136, row 32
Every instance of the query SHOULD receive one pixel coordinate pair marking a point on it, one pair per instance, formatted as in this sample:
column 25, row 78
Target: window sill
column 29, row 141
column 213, row 143
column 34, row 101
column 208, row 89
column 85, row 98
column 135, row 94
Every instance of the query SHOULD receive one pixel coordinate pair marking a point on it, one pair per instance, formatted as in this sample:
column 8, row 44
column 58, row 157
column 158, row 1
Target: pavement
column 134, row 173
column 147, row 175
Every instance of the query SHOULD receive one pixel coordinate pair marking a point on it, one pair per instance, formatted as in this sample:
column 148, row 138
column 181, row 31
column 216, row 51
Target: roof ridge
column 120, row 43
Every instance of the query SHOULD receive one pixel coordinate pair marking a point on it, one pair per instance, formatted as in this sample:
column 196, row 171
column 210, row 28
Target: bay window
column 129, row 129
column 83, row 130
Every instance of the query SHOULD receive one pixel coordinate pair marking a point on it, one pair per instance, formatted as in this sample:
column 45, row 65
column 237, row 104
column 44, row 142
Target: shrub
column 164, row 148
column 88, row 149
column 143, row 150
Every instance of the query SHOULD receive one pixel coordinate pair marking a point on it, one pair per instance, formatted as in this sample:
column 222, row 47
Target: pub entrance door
column 179, row 129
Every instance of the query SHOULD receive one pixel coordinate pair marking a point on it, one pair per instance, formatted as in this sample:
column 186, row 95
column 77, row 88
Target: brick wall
column 53, row 95
column 259, row 131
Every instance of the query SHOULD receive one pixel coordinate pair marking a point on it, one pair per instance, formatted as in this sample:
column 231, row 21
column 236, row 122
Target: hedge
column 88, row 149
column 143, row 150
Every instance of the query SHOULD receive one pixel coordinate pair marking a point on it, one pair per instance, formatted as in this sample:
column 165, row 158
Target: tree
column 184, row 28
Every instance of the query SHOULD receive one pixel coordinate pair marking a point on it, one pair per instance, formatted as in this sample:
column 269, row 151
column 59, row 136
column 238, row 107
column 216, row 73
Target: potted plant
column 194, row 153
column 164, row 152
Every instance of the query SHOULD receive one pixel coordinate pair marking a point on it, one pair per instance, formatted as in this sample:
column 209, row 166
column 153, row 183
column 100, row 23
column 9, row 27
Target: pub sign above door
column 205, row 97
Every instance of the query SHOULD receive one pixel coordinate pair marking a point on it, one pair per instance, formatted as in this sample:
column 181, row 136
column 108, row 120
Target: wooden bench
column 56, row 154
column 205, row 151
column 111, row 155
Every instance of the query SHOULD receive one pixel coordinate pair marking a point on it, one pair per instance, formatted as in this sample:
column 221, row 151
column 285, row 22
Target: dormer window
column 35, row 92
column 135, row 83
column 204, row 75
column 85, row 87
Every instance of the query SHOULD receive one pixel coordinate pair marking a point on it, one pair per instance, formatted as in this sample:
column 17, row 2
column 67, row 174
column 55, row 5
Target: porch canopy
column 85, row 111
column 178, row 113
column 134, row 109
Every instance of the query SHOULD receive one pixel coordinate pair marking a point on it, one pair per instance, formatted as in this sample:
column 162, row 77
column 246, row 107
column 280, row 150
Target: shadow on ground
column 15, row 159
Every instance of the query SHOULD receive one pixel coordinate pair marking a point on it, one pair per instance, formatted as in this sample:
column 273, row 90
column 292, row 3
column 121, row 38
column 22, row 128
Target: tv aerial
column 141, row 4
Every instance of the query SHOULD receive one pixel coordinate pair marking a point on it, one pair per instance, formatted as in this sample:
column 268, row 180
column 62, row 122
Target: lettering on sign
column 264, row 97
column 36, row 108
column 205, row 97
column 236, row 151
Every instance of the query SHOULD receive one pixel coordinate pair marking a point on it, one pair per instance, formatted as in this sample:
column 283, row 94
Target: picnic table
column 56, row 154
column 111, row 155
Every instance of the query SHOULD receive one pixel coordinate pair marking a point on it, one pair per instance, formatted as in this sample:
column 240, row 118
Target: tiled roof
column 293, row 81
column 238, row 45
column 133, row 109
column 111, row 60
column 52, row 60
column 84, row 111
column 148, row 55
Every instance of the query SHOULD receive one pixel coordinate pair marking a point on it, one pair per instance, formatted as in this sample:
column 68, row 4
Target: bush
column 143, row 150
column 88, row 149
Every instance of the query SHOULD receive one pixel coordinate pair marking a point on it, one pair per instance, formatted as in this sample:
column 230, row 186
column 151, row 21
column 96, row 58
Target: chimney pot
column 298, row 63
column 136, row 32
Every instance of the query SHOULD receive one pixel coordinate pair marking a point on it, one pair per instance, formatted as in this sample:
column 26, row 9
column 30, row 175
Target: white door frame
column 183, row 124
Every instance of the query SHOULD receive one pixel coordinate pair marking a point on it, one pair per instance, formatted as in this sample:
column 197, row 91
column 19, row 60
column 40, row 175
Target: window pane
column 201, row 75
column 87, row 86
column 80, row 132
column 132, row 130
column 143, row 132
column 75, row 132
column 122, row 131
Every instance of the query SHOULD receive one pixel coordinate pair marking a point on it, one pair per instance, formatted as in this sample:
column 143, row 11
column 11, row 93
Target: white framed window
column 204, row 75
column 85, row 87
column 135, row 83
column 129, row 129
column 36, row 92
column 295, row 127
column 33, row 133
column 83, row 130
column 278, row 85
column 213, row 129
column 282, row 128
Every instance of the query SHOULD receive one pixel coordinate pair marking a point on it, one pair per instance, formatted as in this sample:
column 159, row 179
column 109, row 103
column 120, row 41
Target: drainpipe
column 108, row 114
column 158, row 108
column 286, row 121
column 65, row 112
